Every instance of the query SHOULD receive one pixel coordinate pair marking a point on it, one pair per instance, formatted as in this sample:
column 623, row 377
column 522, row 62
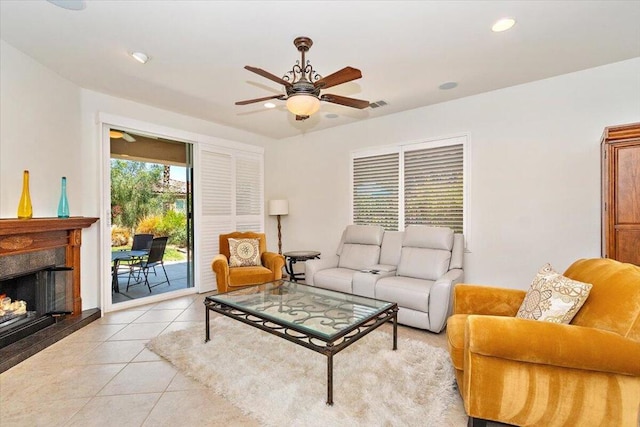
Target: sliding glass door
column 151, row 195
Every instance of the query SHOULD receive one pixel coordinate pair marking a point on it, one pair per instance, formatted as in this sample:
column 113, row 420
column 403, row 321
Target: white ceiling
column 405, row 50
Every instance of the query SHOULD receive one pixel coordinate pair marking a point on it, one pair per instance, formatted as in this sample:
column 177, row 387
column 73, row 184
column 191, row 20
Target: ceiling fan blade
column 300, row 118
column 343, row 100
column 345, row 75
column 128, row 137
column 266, row 98
column 267, row 75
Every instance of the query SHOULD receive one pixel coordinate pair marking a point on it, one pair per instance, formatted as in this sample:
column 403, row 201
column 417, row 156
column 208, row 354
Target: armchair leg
column 476, row 422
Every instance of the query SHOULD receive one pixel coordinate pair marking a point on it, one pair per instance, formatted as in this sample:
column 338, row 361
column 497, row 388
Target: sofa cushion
column 615, row 284
column 358, row 257
column 391, row 247
column 244, row 253
column 337, row 279
column 423, row 236
column 406, row 291
column 364, row 234
column 241, row 276
column 553, row 297
column 422, row 263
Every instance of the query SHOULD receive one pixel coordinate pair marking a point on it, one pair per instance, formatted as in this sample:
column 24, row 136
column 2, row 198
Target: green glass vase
column 63, row 204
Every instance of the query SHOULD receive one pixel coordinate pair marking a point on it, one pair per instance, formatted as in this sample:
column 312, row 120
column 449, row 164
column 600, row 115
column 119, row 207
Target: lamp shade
column 278, row 207
column 303, row 104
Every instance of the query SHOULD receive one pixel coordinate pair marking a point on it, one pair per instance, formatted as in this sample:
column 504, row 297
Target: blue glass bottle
column 63, row 205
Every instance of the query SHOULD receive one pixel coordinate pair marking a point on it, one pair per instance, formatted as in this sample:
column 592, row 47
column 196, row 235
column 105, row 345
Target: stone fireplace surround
column 25, row 244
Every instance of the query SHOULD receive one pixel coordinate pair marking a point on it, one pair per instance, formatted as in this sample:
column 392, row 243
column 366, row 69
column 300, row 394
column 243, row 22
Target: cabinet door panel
column 628, row 185
column 628, row 245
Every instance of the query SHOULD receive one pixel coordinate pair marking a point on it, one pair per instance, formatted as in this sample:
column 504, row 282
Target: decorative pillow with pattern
column 553, row 297
column 244, row 252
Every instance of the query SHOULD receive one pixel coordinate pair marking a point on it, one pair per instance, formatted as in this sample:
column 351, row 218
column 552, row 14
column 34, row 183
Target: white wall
column 535, row 170
column 39, row 131
column 49, row 126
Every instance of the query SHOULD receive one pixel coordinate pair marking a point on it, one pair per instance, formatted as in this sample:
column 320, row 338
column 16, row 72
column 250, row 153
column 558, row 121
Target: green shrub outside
column 172, row 224
column 119, row 236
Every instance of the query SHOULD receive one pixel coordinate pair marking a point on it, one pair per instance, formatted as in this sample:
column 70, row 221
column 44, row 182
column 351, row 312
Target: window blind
column 434, row 187
column 248, row 186
column 375, row 190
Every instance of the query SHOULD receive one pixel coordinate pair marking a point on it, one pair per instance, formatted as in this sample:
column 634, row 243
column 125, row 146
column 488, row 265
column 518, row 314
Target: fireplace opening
column 33, row 300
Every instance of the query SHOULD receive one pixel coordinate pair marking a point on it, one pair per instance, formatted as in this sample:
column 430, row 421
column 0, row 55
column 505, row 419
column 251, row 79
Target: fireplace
column 40, row 300
column 33, row 300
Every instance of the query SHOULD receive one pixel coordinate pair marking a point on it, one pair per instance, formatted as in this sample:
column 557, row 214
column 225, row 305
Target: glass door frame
column 105, row 123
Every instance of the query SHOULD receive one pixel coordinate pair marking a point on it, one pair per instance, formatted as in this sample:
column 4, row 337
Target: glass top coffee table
column 322, row 320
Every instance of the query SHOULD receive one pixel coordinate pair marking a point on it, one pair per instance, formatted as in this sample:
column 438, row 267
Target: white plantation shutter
column 216, row 194
column 249, row 193
column 375, row 190
column 433, row 187
column 411, row 184
column 231, row 199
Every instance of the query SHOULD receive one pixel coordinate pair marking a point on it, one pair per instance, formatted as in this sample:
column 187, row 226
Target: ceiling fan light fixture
column 115, row 134
column 303, row 104
column 140, row 57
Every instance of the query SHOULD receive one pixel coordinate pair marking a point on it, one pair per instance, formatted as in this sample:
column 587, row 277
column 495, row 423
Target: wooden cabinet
column 621, row 193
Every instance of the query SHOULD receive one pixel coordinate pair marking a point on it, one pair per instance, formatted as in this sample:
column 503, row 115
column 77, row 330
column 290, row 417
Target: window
column 411, row 184
column 375, row 190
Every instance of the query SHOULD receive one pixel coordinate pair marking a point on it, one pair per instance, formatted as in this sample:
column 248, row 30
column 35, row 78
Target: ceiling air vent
column 378, row 104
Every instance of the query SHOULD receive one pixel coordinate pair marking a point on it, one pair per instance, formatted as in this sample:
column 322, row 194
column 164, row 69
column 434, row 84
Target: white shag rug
column 280, row 383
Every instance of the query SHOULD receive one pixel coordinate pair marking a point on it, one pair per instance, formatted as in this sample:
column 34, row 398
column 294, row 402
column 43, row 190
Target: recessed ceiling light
column 503, row 25
column 448, row 85
column 69, row 4
column 269, row 105
column 140, row 57
column 331, row 116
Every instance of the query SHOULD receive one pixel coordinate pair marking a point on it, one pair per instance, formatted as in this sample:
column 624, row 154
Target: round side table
column 293, row 257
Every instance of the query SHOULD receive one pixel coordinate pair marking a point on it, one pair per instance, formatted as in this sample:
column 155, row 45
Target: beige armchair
column 228, row 278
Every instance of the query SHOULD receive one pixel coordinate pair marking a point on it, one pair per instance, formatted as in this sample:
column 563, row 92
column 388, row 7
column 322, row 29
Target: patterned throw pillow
column 553, row 297
column 244, row 252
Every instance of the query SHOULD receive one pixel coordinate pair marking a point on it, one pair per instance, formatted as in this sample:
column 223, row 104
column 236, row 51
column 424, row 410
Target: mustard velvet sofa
column 229, row 278
column 534, row 373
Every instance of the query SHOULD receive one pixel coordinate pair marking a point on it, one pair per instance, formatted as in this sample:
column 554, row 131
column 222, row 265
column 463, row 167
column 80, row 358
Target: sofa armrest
column 553, row 344
column 441, row 298
column 220, row 266
column 312, row 266
column 273, row 262
column 474, row 299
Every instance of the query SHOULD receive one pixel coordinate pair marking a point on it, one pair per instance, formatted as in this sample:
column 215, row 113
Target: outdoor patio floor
column 176, row 271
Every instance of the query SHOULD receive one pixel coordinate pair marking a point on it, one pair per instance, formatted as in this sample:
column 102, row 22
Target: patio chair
column 141, row 242
column 156, row 253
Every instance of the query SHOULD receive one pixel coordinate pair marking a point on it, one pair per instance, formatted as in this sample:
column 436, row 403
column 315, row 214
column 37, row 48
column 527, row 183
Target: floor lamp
column 278, row 208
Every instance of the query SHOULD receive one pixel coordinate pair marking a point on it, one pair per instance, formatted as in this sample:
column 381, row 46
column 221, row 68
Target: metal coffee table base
column 315, row 343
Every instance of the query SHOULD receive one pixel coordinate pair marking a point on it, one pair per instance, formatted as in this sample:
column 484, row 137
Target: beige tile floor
column 102, row 375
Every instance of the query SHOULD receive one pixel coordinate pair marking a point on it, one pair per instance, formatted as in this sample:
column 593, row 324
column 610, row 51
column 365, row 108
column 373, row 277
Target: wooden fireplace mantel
column 19, row 236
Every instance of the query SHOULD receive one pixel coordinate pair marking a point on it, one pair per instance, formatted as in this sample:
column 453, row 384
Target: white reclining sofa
column 416, row 268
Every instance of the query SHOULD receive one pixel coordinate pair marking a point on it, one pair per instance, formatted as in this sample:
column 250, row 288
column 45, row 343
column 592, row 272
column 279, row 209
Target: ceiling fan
column 303, row 85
